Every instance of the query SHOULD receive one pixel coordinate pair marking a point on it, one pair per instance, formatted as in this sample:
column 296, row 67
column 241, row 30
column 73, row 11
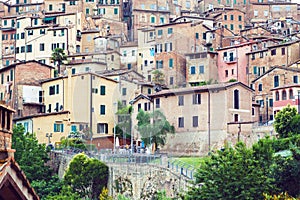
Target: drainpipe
column 208, row 120
column 91, row 105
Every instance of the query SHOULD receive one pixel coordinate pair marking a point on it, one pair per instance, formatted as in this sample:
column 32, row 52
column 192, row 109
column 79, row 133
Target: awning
column 48, row 19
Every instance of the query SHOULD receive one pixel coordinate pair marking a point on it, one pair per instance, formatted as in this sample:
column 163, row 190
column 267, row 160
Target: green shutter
column 171, row 63
column 254, row 70
column 55, row 128
column 102, row 90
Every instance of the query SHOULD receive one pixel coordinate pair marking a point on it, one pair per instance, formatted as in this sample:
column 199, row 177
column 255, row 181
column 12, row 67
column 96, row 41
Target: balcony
column 230, row 60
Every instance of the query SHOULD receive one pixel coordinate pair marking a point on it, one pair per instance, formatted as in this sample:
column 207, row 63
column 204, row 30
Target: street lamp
column 49, row 135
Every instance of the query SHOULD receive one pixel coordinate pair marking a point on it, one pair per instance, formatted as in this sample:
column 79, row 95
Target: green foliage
column 73, row 142
column 65, row 194
column 30, row 155
column 154, row 132
column 49, row 187
column 58, row 55
column 235, row 173
column 286, row 172
column 87, row 176
column 104, row 195
column 281, row 196
column 161, row 195
column 232, row 80
column 285, row 123
column 158, row 77
column 123, row 128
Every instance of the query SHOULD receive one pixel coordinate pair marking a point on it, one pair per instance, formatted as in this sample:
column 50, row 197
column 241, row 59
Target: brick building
column 20, row 86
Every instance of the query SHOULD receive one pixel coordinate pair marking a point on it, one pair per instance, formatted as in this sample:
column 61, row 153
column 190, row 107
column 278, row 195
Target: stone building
column 277, row 78
column 204, row 117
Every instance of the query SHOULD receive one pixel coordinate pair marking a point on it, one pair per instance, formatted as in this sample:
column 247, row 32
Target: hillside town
column 218, row 70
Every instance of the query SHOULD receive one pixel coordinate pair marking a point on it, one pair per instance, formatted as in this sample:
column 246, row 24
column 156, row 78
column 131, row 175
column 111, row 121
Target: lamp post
column 49, row 135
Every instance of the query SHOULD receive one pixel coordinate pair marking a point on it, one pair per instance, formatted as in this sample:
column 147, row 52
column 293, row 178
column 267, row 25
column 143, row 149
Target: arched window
column 291, row 95
column 277, row 96
column 236, row 99
column 283, row 95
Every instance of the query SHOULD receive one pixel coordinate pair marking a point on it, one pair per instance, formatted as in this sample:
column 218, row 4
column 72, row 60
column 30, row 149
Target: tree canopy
column 286, row 121
column 155, row 132
column 86, row 176
column 235, row 173
column 58, row 55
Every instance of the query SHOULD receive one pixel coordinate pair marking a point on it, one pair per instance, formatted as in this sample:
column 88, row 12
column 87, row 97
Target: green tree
column 155, row 132
column 283, row 121
column 65, row 194
column 86, row 176
column 235, row 173
column 158, row 77
column 286, row 172
column 58, row 55
column 30, row 155
column 123, row 128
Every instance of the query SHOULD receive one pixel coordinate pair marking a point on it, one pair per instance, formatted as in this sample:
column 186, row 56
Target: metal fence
column 182, row 168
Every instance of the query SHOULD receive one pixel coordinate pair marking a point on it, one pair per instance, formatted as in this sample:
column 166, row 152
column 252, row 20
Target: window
column 236, row 100
column 273, row 52
column 152, row 19
column 226, row 73
column 271, row 102
column 266, row 13
column 180, row 100
column 225, row 17
column 195, row 121
column 283, row 95
column 170, row 30
column 129, row 66
column 42, row 47
column 73, row 128
column 29, row 48
column 124, row 90
column 171, row 63
column 291, row 95
column 260, row 87
column 5, row 22
column 116, row 11
column 201, row 69
column 159, row 64
column 11, row 73
column 22, row 49
column 146, row 106
column 102, row 109
column 139, row 107
column 231, row 27
column 253, row 56
column 157, row 103
column 171, row 80
column 277, row 96
column 22, row 35
column 51, row 90
column 282, row 51
column 159, row 32
column 87, row 11
column 295, row 79
column 253, row 112
column 58, row 128
column 193, row 70
column 133, row 53
column 204, row 36
column 276, row 81
column 57, row 89
column 255, row 13
column 30, row 32
column 240, row 18
column 231, row 17
column 102, row 128
column 50, row 7
column 196, row 98
column 102, row 90
column 197, row 35
column 73, row 70
column 261, row 54
column 42, row 31
column 180, row 122
column 236, row 117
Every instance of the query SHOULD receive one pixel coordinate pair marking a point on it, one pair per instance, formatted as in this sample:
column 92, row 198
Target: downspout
column 91, row 105
column 208, row 120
